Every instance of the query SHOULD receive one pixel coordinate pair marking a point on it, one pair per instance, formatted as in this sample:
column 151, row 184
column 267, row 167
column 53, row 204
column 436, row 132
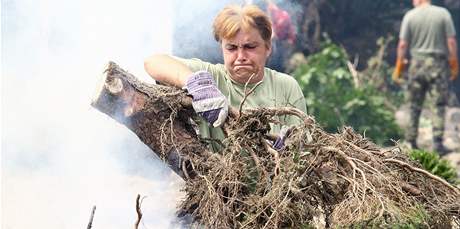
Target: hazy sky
column 59, row 156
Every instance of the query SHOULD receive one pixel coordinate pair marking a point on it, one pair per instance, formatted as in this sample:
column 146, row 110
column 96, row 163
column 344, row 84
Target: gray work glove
column 279, row 142
column 208, row 101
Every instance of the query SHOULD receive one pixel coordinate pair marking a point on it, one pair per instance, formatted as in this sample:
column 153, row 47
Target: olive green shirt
column 427, row 28
column 276, row 90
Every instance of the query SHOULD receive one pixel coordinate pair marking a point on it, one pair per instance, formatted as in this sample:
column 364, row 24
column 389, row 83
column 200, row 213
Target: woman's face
column 246, row 54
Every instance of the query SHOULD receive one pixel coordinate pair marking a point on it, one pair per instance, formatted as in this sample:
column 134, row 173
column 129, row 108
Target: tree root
column 426, row 173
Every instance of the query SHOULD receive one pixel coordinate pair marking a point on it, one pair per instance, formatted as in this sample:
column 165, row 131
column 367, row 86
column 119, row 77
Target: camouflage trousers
column 427, row 75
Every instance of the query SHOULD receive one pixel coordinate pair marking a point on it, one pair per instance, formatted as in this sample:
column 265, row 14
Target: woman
column 244, row 34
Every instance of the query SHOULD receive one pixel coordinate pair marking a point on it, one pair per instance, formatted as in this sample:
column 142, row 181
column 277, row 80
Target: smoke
column 60, row 156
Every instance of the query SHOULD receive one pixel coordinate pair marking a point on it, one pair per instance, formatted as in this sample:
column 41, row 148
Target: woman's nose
column 242, row 55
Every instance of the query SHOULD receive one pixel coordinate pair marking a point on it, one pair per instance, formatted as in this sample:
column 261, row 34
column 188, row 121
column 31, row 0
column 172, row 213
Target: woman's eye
column 250, row 46
column 231, row 47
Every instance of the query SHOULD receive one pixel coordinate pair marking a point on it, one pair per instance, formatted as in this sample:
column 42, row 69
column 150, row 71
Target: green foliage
column 431, row 162
column 415, row 218
column 335, row 101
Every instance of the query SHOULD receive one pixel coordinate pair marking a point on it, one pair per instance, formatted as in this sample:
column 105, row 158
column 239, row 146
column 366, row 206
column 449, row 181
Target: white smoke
column 60, row 156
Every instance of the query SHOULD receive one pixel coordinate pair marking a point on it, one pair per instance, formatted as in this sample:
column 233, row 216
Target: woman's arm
column 167, row 70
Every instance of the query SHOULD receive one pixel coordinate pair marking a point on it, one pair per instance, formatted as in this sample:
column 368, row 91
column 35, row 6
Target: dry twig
column 90, row 223
column 138, row 211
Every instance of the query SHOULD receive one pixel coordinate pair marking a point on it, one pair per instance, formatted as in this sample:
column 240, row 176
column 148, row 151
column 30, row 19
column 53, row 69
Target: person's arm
column 207, row 100
column 453, row 58
column 400, row 55
column 402, row 48
column 167, row 70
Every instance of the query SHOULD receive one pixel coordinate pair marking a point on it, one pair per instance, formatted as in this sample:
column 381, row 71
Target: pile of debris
column 330, row 179
column 318, row 179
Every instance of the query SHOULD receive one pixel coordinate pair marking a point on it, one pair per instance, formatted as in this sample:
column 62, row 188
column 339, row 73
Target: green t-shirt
column 276, row 90
column 427, row 28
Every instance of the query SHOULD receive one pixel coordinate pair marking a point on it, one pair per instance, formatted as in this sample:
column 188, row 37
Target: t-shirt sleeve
column 449, row 25
column 404, row 33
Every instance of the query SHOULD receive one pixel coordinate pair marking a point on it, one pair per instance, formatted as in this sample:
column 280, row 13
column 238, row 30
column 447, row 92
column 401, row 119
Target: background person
column 284, row 36
column 429, row 33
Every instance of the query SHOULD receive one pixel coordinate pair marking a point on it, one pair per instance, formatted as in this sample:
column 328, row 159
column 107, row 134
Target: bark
column 158, row 115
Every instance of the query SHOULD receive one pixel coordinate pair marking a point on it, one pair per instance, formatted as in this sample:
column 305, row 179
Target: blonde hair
column 234, row 18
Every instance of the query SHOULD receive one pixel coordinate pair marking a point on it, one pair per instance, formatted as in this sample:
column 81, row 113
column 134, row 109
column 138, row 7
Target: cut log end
column 114, row 95
column 108, row 82
column 114, row 85
column 100, row 86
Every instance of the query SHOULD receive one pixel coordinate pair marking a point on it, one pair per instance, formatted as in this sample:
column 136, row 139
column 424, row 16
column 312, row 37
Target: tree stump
column 159, row 115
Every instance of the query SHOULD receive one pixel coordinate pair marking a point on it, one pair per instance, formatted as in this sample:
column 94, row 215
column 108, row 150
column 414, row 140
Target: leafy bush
column 335, row 100
column 431, row 162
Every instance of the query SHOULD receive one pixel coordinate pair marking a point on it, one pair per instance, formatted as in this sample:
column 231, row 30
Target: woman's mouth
column 242, row 66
